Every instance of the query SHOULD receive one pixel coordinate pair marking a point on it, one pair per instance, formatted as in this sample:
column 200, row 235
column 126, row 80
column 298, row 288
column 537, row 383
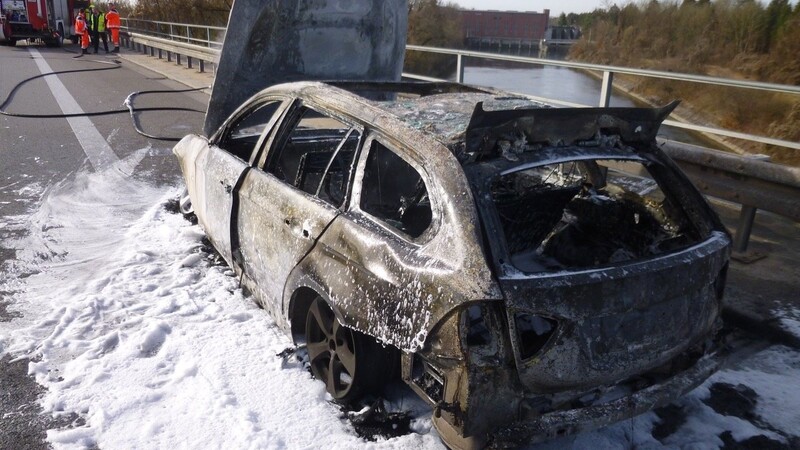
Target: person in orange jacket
column 112, row 23
column 82, row 31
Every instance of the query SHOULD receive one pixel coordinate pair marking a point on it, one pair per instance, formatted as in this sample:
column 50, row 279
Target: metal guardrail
column 201, row 35
column 752, row 183
column 158, row 45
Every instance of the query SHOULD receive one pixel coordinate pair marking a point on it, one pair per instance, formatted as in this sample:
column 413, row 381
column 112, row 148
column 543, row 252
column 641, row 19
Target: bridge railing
column 750, row 182
column 201, row 35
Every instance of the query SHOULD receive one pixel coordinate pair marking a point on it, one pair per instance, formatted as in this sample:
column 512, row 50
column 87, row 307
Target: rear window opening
column 584, row 214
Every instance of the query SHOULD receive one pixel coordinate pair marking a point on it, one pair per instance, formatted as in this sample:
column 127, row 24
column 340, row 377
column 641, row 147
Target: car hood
column 271, row 42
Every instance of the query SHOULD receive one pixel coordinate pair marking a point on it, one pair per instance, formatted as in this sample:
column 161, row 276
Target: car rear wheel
column 344, row 359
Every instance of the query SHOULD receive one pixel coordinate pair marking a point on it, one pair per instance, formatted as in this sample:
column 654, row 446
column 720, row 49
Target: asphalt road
column 36, row 153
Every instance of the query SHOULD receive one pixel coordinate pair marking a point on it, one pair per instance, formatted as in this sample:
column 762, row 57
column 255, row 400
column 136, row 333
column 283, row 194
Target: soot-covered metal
column 533, row 271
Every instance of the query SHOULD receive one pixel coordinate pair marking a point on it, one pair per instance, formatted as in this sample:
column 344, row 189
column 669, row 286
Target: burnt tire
column 347, row 361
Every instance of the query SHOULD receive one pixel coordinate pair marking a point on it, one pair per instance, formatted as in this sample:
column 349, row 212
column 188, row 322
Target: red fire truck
column 47, row 21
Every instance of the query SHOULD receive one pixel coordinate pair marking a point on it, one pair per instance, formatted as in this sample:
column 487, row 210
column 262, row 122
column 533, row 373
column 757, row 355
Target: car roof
column 472, row 122
column 441, row 110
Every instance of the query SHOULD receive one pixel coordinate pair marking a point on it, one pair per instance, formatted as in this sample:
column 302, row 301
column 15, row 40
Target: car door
column 387, row 255
column 229, row 156
column 287, row 203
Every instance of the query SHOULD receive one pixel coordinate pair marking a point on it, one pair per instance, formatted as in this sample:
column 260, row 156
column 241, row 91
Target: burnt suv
column 537, row 271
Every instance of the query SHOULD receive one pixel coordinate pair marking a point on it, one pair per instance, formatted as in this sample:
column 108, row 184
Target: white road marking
column 94, row 145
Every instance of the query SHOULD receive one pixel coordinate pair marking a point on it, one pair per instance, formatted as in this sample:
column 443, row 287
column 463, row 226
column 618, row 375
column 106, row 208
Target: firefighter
column 98, row 21
column 112, row 22
column 82, row 31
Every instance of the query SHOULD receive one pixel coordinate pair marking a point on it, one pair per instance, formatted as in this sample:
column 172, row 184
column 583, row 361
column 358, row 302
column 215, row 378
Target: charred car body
column 541, row 271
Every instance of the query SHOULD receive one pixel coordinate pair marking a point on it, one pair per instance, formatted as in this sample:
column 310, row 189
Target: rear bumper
column 532, row 427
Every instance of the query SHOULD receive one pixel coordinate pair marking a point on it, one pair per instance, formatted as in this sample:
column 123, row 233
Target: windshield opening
column 590, row 213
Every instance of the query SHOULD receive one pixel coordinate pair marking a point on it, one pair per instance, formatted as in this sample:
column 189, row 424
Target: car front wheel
column 346, row 360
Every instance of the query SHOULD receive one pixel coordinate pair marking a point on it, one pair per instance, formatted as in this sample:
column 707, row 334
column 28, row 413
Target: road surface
column 36, row 154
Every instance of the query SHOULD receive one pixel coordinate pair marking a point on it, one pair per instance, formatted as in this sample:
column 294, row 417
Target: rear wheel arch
column 298, row 310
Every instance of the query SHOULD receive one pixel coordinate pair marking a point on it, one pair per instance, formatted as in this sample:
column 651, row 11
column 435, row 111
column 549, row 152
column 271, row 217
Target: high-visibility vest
column 101, row 23
column 112, row 19
column 80, row 25
column 95, row 21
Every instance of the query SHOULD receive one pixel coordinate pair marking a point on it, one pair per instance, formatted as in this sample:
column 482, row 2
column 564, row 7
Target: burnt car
column 534, row 271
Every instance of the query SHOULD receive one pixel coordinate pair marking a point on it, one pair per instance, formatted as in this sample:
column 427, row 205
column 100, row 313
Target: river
column 558, row 83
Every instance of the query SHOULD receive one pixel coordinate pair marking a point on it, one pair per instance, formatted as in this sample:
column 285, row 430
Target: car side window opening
column 317, row 156
column 586, row 214
column 393, row 191
column 242, row 137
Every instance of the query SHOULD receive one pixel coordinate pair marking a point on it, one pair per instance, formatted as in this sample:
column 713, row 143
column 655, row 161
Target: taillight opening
column 477, row 333
column 533, row 333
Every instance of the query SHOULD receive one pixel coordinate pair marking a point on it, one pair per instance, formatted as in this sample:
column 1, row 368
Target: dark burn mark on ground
column 671, row 417
column 376, row 422
column 759, row 442
column 729, row 400
column 740, row 401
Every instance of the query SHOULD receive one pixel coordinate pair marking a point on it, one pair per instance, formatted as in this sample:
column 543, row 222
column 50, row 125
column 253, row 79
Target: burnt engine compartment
column 562, row 216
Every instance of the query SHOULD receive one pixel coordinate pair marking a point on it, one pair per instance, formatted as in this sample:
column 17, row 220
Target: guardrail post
column 746, row 219
column 159, row 54
column 169, row 56
column 189, row 62
column 459, row 68
column 178, row 58
column 605, row 91
column 202, row 66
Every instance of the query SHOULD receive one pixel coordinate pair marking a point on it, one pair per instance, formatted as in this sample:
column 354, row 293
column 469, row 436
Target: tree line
column 761, row 41
column 725, row 38
column 199, row 12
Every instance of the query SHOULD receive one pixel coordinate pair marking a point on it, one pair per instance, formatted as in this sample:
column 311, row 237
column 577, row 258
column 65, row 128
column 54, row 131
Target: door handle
column 288, row 222
column 228, row 187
